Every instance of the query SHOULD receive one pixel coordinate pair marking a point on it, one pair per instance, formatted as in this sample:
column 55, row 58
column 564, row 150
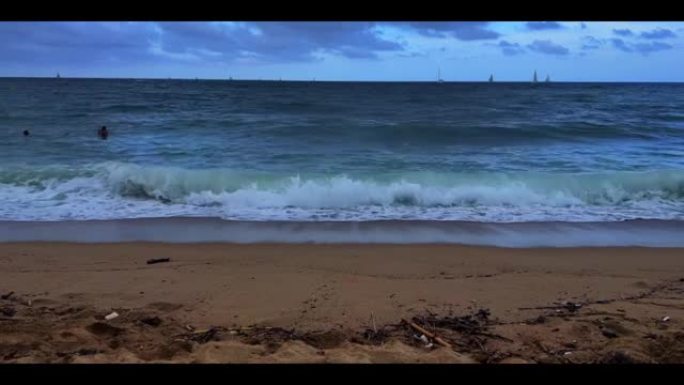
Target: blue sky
column 387, row 51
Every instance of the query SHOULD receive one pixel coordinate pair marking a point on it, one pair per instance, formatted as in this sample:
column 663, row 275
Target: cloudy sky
column 387, row 51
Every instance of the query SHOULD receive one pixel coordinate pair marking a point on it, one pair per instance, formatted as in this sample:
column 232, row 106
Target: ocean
column 270, row 151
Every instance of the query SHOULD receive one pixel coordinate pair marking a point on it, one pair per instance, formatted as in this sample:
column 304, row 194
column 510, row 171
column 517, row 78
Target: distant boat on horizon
column 58, row 76
column 491, row 78
column 548, row 79
column 439, row 76
column 534, row 78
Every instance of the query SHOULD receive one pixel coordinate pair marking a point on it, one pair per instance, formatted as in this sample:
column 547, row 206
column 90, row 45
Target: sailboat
column 548, row 79
column 439, row 76
column 491, row 78
column 58, row 75
column 534, row 79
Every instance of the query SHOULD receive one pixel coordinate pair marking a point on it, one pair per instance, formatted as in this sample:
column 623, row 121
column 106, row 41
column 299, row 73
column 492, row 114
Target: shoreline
column 643, row 233
column 220, row 302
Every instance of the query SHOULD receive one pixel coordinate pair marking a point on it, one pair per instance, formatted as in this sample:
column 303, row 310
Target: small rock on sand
column 111, row 316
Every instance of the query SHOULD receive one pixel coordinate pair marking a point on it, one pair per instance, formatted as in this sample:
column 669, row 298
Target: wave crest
column 112, row 190
column 232, row 188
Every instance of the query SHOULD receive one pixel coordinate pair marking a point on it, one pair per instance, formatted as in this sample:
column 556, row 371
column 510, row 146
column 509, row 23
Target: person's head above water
column 103, row 132
column 26, row 133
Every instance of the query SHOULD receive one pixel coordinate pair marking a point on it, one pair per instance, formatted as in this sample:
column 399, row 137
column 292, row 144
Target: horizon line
column 316, row 80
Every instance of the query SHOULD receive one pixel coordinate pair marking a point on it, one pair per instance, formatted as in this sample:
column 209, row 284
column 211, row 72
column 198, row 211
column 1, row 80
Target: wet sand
column 221, row 302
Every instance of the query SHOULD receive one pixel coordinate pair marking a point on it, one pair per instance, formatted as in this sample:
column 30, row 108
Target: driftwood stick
column 427, row 333
column 158, row 260
column 571, row 306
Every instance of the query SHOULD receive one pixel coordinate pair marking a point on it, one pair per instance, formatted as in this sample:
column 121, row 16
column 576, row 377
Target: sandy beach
column 222, row 302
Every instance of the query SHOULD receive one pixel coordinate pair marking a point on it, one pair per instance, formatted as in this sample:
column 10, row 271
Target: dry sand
column 339, row 303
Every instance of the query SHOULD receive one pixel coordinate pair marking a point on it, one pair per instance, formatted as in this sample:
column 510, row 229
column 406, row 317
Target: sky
column 346, row 51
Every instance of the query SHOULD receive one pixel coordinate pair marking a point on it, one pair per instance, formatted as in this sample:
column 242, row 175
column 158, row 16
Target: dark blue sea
column 339, row 151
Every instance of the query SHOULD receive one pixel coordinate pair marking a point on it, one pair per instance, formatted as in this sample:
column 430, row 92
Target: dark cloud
column 621, row 45
column 642, row 48
column 510, row 49
column 89, row 43
column 590, row 42
column 346, row 38
column 548, row 48
column 646, row 48
column 83, row 43
column 542, row 25
column 660, row 33
column 467, row 30
column 278, row 41
column 623, row 32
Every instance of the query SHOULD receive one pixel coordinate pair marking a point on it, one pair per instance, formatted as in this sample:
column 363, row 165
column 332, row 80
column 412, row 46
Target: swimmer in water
column 103, row 133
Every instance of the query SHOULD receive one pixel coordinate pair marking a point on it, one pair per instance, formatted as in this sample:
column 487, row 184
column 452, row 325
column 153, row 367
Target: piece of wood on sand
column 427, row 333
column 158, row 260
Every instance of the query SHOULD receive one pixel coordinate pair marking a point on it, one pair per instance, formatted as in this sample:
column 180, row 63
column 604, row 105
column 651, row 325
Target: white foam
column 120, row 190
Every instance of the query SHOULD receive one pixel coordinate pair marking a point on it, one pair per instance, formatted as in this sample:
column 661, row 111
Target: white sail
column 439, row 75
